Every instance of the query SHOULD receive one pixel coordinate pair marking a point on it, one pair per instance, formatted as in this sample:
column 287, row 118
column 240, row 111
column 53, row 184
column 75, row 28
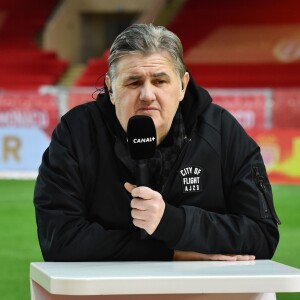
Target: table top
column 117, row 278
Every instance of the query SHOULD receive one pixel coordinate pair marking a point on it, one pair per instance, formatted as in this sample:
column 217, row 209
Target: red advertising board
column 77, row 97
column 286, row 108
column 281, row 152
column 28, row 109
column 27, row 121
column 247, row 106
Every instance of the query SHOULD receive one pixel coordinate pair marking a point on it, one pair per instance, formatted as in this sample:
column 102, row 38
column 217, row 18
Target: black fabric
column 167, row 152
column 213, row 204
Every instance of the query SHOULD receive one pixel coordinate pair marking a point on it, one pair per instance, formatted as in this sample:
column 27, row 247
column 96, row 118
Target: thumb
column 129, row 187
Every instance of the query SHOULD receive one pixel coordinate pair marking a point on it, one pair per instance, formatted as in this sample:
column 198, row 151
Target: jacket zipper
column 262, row 187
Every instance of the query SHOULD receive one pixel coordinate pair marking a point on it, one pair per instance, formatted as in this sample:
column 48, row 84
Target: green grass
column 18, row 238
column 19, row 244
column 287, row 201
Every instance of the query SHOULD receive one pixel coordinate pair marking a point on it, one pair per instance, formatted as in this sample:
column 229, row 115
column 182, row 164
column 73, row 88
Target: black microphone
column 141, row 135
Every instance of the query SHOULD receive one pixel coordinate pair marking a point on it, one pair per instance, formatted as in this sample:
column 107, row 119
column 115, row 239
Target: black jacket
column 218, row 198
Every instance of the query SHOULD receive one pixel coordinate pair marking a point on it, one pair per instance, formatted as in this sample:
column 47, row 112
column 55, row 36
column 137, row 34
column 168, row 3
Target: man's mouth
column 147, row 109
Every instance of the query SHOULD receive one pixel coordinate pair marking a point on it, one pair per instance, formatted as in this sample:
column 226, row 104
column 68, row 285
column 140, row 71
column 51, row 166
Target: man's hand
column 147, row 206
column 195, row 256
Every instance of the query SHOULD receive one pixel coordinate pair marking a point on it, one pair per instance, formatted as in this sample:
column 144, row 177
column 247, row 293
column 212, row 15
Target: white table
column 259, row 279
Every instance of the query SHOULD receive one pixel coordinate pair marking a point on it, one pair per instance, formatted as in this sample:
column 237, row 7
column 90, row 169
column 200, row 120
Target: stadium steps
column 94, row 72
column 197, row 20
column 96, row 67
column 23, row 64
column 73, row 72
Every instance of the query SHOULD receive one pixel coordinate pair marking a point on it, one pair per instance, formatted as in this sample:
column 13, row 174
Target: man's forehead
column 137, row 65
column 133, row 76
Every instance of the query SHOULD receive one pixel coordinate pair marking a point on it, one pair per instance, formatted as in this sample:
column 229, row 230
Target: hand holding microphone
column 147, row 205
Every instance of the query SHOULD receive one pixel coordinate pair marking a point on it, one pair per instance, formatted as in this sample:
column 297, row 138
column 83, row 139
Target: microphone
column 141, row 135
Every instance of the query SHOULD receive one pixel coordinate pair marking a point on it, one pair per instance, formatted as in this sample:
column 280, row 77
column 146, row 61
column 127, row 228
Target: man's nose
column 147, row 92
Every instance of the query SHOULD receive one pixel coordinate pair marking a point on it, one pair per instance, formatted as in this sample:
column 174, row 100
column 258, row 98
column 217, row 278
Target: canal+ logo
column 144, row 140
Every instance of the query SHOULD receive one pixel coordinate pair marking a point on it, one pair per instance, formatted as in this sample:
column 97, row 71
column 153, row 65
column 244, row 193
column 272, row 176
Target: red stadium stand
column 22, row 64
column 198, row 20
column 95, row 69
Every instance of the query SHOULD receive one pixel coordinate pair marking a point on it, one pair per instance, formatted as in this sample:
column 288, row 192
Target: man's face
column 147, row 85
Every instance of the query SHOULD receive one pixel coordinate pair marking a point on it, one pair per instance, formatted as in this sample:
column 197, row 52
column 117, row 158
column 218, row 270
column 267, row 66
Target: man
column 209, row 198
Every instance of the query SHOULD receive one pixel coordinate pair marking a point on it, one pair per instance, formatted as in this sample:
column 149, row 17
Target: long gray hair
column 146, row 39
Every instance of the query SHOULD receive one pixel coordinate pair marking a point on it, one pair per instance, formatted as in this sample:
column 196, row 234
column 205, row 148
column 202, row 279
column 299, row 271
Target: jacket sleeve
column 250, row 224
column 63, row 230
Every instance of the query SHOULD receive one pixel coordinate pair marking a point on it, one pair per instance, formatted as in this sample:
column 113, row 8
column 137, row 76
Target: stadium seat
column 23, row 64
column 197, row 20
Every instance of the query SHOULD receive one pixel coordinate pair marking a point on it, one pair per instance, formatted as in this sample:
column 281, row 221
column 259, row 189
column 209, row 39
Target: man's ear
column 108, row 84
column 184, row 81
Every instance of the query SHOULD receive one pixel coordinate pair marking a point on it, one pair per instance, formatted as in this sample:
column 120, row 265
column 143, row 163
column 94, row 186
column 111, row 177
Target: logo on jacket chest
column 191, row 179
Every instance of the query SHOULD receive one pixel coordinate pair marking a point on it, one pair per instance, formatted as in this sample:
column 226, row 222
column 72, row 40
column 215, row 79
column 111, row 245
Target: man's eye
column 160, row 82
column 134, row 83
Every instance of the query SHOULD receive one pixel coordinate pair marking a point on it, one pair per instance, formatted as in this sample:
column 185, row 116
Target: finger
column 142, row 215
column 139, row 204
column 245, row 257
column 143, row 192
column 223, row 257
column 129, row 187
column 139, row 223
column 137, row 214
column 235, row 257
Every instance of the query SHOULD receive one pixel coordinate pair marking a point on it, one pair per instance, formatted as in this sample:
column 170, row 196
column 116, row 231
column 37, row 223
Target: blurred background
column 53, row 56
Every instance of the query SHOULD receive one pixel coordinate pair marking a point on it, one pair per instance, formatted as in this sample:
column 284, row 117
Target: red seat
column 22, row 63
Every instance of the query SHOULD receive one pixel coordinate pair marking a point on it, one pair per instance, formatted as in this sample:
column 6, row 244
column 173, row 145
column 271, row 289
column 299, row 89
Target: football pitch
column 19, row 244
